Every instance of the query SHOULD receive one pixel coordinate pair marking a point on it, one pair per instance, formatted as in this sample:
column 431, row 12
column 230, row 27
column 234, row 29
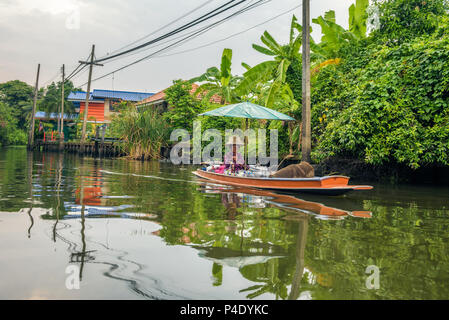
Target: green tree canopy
column 18, row 95
column 183, row 107
column 51, row 101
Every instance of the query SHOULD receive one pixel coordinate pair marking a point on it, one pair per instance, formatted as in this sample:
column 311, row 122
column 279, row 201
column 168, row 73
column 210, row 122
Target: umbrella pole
column 245, row 158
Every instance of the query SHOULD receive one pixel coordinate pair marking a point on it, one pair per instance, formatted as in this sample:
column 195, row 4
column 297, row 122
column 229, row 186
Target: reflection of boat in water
column 329, row 185
column 286, row 201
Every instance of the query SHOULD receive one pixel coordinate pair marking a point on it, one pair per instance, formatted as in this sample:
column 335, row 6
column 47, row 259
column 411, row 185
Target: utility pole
column 86, row 104
column 33, row 112
column 306, row 143
column 61, row 133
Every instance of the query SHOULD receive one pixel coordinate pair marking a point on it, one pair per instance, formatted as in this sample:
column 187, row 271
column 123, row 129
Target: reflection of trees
column 14, row 178
column 277, row 274
column 258, row 246
column 408, row 244
column 231, row 202
column 300, row 249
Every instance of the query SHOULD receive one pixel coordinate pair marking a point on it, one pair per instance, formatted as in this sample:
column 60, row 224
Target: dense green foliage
column 401, row 20
column 183, row 107
column 381, row 97
column 386, row 103
column 143, row 133
column 51, row 102
column 9, row 132
column 16, row 103
column 15, row 107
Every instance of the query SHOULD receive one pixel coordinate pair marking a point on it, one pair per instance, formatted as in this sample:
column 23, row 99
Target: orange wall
column 96, row 110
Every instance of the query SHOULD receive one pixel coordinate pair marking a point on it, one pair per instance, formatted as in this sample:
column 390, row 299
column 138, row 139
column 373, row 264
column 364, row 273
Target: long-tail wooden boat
column 329, row 185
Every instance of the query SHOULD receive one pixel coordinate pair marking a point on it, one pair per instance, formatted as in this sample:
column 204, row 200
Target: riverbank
column 358, row 170
column 392, row 173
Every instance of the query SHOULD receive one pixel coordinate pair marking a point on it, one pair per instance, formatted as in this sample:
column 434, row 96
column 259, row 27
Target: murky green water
column 151, row 230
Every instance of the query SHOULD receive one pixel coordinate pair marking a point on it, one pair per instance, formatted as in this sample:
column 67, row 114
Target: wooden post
column 33, row 112
column 86, row 104
column 306, row 116
column 61, row 133
column 245, row 137
column 103, row 132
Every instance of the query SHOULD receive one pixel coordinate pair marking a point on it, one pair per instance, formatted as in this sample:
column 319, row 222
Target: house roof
column 100, row 95
column 160, row 96
column 156, row 97
column 123, row 95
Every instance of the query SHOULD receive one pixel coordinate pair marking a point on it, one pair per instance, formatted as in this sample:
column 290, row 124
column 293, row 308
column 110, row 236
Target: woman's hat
column 235, row 140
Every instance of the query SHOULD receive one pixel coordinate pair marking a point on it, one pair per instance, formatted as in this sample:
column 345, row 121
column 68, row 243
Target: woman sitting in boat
column 233, row 160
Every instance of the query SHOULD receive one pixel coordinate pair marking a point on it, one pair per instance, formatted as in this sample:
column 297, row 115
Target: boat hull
column 330, row 185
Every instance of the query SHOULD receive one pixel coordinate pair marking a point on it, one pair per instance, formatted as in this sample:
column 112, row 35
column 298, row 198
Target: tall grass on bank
column 143, row 133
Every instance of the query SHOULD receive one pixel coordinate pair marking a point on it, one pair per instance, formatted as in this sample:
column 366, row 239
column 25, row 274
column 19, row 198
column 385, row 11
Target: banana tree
column 335, row 37
column 273, row 71
column 219, row 82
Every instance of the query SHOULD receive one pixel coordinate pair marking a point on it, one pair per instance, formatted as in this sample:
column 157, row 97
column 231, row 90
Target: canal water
column 151, row 230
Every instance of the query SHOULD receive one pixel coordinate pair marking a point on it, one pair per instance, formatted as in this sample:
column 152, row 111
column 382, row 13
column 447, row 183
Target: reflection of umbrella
column 235, row 259
column 240, row 262
column 248, row 110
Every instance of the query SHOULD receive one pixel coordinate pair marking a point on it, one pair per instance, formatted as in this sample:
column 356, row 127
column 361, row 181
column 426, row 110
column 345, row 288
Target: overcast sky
column 53, row 32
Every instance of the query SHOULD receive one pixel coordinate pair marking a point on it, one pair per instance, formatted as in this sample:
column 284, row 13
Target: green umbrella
column 248, row 110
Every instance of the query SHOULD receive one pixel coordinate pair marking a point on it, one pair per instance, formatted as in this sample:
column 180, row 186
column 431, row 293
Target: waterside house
column 101, row 102
column 157, row 101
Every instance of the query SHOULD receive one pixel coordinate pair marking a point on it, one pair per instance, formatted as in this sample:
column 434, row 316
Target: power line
column 205, row 29
column 231, row 36
column 74, row 72
column 51, row 79
column 168, row 41
column 227, row 6
column 161, row 28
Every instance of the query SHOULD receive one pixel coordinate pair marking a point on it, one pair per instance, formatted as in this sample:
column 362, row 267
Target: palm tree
column 219, row 82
